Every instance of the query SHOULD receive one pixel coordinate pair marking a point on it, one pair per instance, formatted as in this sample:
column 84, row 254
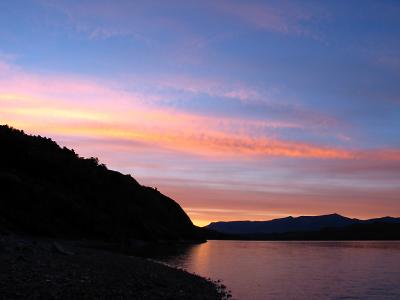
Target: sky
column 238, row 110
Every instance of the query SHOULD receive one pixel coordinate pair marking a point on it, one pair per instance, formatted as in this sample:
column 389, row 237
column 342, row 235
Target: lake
column 295, row 270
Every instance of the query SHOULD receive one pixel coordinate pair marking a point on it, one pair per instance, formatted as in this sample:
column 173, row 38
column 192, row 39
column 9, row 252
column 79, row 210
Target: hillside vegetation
column 49, row 190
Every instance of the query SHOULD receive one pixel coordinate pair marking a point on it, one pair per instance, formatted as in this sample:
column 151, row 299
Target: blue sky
column 237, row 109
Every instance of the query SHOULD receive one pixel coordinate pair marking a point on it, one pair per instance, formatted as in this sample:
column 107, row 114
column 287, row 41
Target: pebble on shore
column 44, row 269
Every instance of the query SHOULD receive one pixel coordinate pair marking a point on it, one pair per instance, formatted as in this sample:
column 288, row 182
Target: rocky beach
column 35, row 268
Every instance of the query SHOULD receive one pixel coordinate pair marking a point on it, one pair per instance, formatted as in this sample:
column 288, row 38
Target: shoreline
column 39, row 268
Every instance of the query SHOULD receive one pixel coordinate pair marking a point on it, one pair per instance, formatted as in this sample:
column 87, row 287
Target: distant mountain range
column 293, row 225
column 52, row 191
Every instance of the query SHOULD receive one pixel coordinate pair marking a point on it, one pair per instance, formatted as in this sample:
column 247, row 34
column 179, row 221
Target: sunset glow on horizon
column 238, row 110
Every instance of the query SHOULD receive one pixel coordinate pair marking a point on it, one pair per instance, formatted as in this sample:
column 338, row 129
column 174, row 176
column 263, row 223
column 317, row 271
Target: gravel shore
column 48, row 269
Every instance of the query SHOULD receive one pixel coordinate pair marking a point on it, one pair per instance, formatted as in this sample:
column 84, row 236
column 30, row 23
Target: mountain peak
column 335, row 215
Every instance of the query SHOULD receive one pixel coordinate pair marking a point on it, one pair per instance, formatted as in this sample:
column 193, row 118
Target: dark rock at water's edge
column 52, row 191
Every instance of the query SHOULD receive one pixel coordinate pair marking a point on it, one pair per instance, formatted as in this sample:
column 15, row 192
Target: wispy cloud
column 213, row 87
column 263, row 104
column 282, row 18
column 103, row 20
column 81, row 107
column 125, row 18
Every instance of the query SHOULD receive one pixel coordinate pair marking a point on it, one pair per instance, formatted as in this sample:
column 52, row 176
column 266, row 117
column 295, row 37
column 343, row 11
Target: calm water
column 296, row 270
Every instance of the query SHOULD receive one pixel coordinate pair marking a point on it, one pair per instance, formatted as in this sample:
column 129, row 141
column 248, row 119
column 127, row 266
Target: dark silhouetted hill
column 49, row 190
column 300, row 227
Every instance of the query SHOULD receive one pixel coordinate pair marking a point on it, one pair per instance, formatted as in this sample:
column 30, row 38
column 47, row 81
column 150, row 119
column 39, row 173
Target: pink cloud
column 74, row 106
column 286, row 19
column 211, row 86
column 261, row 98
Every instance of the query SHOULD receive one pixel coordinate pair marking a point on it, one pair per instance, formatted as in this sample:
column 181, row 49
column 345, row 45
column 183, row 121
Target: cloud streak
column 81, row 107
column 283, row 18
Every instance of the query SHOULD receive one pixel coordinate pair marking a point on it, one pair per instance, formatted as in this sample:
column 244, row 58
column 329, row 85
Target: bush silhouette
column 49, row 190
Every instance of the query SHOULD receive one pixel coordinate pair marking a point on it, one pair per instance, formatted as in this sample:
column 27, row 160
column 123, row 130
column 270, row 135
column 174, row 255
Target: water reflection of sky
column 297, row 270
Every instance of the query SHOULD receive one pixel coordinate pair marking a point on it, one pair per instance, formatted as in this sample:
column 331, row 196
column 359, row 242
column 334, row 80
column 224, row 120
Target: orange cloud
column 174, row 131
column 68, row 106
